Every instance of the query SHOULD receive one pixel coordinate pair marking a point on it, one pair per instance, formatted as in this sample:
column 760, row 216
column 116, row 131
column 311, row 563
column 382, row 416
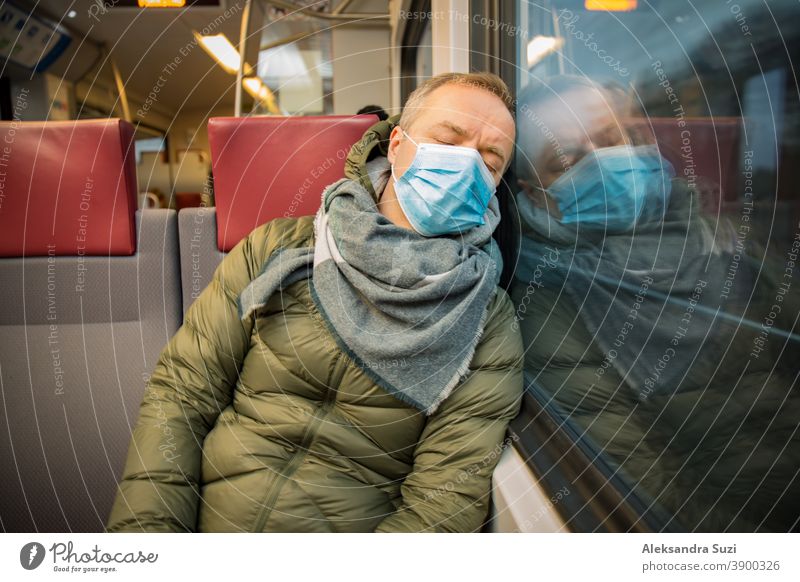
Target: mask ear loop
column 409, row 137
column 392, row 166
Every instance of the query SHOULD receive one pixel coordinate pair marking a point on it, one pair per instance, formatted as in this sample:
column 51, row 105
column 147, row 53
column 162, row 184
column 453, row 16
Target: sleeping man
column 353, row 371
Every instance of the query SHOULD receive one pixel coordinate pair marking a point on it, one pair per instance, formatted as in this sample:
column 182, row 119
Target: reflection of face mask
column 615, row 188
column 445, row 190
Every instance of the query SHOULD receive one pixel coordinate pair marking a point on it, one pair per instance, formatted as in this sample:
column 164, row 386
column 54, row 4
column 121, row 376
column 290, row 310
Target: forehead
column 476, row 110
column 563, row 120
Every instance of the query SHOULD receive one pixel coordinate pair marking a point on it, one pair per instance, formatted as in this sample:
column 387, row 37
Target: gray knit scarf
column 408, row 310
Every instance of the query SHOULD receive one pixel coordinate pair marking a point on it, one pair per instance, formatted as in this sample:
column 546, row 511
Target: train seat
column 263, row 168
column 91, row 295
column 704, row 151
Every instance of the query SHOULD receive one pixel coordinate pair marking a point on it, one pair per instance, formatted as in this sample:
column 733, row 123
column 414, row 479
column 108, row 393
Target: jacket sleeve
column 191, row 385
column 449, row 486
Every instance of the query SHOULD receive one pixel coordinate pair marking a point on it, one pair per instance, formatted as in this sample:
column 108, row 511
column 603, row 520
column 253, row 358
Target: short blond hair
column 486, row 81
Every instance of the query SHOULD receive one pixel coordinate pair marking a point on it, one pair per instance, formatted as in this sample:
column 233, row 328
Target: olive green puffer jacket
column 265, row 425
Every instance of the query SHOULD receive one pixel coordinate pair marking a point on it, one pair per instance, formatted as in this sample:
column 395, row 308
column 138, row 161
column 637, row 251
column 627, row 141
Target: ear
column 539, row 198
column 394, row 142
column 529, row 190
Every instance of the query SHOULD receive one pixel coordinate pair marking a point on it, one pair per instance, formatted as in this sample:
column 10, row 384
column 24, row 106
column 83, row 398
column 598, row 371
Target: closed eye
column 492, row 169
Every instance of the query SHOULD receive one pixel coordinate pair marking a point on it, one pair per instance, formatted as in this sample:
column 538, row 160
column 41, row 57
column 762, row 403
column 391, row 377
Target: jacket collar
column 363, row 163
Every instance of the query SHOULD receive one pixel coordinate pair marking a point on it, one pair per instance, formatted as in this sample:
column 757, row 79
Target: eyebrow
column 461, row 132
column 496, row 151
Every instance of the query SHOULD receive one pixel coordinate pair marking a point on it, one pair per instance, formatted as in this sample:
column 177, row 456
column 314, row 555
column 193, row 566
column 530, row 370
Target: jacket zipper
column 308, row 436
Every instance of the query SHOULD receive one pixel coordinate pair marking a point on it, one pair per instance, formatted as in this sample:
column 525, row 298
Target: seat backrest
column 91, row 296
column 704, row 151
column 200, row 255
column 70, row 188
column 263, row 168
column 268, row 167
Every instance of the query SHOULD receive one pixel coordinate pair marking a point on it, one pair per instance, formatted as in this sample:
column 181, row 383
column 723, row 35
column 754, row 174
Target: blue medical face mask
column 615, row 188
column 445, row 190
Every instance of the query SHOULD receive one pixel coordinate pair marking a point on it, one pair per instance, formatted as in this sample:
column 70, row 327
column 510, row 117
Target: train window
column 148, row 144
column 658, row 218
column 424, row 67
column 294, row 73
column 154, row 181
column 416, row 52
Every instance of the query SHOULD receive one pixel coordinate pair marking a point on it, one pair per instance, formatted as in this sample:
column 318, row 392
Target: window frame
column 412, row 34
column 561, row 455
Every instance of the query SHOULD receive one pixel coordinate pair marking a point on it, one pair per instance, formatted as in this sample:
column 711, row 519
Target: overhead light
column 256, row 87
column 71, row 14
column 541, row 46
column 222, row 51
column 259, row 91
column 162, row 3
column 611, row 5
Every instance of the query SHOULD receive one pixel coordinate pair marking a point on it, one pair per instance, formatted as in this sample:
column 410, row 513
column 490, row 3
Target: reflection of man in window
column 633, row 322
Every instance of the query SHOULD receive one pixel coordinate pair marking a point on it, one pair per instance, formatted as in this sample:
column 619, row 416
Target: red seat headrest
column 270, row 167
column 704, row 151
column 67, row 188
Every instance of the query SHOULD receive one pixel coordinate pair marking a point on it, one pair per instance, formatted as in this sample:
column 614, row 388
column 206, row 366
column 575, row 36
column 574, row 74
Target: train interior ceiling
column 181, row 126
column 172, row 85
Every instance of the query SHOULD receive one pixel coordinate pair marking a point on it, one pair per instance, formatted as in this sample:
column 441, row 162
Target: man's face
column 461, row 115
column 581, row 121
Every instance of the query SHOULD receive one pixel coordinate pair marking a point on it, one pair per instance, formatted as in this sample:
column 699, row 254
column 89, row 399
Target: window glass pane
column 658, row 289
column 294, row 66
column 152, row 170
column 424, row 68
column 148, row 144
